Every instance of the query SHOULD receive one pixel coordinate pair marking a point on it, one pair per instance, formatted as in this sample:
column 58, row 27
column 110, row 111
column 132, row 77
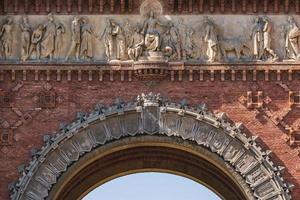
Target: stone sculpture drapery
column 154, row 37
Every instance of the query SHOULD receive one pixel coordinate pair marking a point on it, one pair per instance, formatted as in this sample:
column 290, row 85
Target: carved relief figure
column 86, row 48
column 292, row 33
column 186, row 37
column 118, row 33
column 108, row 39
column 128, row 32
column 267, row 39
column 48, row 43
column 76, row 40
column 238, row 45
column 190, row 46
column 211, row 38
column 151, row 33
column 176, row 39
column 135, row 48
column 114, row 40
column 168, row 45
column 6, row 38
column 36, row 40
column 173, row 40
column 257, row 38
column 25, row 38
column 60, row 30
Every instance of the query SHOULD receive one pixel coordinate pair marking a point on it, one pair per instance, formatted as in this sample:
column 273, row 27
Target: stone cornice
column 130, row 6
column 153, row 70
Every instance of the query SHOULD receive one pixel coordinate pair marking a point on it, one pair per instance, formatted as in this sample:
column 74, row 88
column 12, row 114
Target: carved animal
column 237, row 45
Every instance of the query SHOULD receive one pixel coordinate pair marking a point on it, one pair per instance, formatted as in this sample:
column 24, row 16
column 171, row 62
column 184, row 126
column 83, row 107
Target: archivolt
column 149, row 115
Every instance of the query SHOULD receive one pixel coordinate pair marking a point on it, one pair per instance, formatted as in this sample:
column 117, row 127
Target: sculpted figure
column 175, row 35
column 135, row 48
column 114, row 39
column 6, row 38
column 118, row 33
column 186, row 37
column 257, row 38
column 36, row 39
column 128, row 32
column 75, row 43
column 60, row 30
column 48, row 43
column 189, row 48
column 151, row 33
column 168, row 46
column 292, row 33
column 86, row 48
column 171, row 42
column 267, row 39
column 211, row 38
column 108, row 39
column 25, row 38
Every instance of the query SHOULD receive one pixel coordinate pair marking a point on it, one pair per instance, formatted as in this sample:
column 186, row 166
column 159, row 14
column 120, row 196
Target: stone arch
column 213, row 137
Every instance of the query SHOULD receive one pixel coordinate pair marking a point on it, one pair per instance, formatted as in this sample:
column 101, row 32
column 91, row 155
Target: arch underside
column 150, row 153
column 149, row 117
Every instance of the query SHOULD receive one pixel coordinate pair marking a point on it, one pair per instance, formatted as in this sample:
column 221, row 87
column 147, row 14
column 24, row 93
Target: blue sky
column 151, row 186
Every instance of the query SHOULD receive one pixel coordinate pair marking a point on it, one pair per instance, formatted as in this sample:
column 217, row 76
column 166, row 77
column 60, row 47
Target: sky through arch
column 151, row 186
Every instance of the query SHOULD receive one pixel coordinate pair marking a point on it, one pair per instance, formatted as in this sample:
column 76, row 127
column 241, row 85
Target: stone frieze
column 149, row 36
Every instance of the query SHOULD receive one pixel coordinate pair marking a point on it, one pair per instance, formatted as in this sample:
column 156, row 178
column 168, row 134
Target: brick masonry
column 74, row 96
column 31, row 107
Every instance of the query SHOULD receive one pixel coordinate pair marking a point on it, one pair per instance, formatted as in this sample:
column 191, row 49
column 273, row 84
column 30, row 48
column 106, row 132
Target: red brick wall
column 74, row 96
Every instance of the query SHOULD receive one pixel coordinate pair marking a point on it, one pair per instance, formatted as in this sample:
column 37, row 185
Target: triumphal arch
column 91, row 90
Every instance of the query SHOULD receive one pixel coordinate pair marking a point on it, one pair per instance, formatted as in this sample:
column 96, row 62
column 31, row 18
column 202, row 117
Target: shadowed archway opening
column 151, row 185
column 149, row 154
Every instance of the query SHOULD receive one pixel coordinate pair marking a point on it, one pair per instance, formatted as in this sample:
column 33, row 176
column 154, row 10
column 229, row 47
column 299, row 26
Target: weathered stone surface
column 80, row 138
column 264, row 96
column 235, row 42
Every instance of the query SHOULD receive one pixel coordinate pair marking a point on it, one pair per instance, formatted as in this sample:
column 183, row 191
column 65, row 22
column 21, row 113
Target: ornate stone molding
column 173, row 71
column 150, row 115
column 129, row 6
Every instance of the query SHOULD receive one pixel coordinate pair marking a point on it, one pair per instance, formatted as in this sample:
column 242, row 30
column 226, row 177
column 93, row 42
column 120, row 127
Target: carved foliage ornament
column 150, row 115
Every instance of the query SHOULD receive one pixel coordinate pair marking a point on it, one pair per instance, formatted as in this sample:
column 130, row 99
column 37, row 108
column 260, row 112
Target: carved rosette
column 150, row 115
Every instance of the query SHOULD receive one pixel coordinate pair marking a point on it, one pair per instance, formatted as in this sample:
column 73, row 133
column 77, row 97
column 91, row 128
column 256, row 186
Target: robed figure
column 292, row 34
column 211, row 38
column 25, row 38
column 48, row 43
column 87, row 33
column 257, row 36
column 151, row 33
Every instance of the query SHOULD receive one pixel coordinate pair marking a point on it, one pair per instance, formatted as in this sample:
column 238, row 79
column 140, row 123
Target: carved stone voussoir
column 149, row 116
